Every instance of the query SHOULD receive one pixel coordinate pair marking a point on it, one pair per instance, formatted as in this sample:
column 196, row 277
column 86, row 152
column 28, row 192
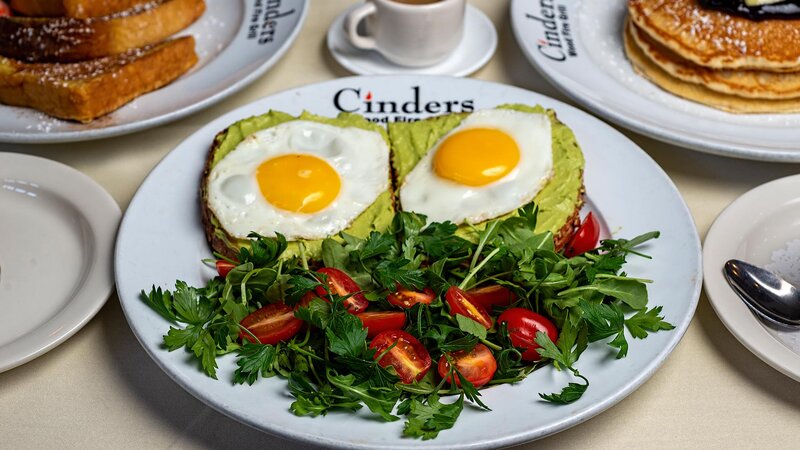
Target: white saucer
column 56, row 238
column 761, row 227
column 475, row 50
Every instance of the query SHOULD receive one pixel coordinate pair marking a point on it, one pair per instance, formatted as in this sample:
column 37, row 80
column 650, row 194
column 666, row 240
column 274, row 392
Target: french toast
column 66, row 39
column 78, row 9
column 86, row 90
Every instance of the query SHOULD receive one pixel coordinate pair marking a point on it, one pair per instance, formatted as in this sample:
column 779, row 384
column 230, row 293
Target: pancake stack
column 722, row 60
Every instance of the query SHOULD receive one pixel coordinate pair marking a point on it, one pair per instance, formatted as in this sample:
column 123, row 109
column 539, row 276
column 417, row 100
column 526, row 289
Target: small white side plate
column 761, row 227
column 56, row 238
column 236, row 42
column 475, row 50
column 577, row 46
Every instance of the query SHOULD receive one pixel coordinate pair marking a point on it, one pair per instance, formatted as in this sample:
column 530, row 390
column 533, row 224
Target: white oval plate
column 56, row 241
column 237, row 41
column 161, row 239
column 761, row 227
column 590, row 66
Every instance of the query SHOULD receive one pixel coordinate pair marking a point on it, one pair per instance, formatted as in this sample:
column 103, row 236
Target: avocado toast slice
column 376, row 217
column 559, row 201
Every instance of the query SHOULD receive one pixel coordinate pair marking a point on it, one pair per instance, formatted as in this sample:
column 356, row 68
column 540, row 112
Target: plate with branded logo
column 580, row 47
column 235, row 42
column 630, row 200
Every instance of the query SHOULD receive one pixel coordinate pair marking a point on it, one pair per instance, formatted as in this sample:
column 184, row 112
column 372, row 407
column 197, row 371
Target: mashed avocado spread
column 378, row 216
column 556, row 201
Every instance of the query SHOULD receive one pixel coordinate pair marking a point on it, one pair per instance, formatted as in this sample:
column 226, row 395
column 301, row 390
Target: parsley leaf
column 388, row 273
column 570, row 393
column 469, row 326
column 254, row 359
column 298, row 286
column 346, row 333
column 161, row 302
column 644, row 321
column 263, row 251
column 427, row 420
column 191, row 307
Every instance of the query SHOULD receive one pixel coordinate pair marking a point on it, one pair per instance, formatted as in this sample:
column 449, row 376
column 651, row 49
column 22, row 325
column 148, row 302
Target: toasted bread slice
column 86, row 90
column 66, row 39
column 79, row 9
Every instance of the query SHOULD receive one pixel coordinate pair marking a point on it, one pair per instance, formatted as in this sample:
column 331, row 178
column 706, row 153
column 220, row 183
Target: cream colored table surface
column 100, row 390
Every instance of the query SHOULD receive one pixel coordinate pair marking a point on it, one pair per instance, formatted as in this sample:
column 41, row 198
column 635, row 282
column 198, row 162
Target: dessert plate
column 474, row 51
column 56, row 238
column 632, row 198
column 237, row 41
column 761, row 227
column 577, row 46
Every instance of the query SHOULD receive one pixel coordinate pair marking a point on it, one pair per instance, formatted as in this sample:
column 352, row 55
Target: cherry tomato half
column 271, row 324
column 340, row 283
column 489, row 296
column 523, row 324
column 4, row 9
column 460, row 303
column 379, row 321
column 477, row 366
column 585, row 238
column 409, row 357
column 224, row 267
column 406, row 298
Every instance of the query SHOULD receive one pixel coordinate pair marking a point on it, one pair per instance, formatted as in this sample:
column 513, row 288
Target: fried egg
column 494, row 162
column 302, row 179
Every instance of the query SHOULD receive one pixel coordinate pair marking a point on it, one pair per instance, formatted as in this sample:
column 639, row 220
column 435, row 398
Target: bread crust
column 66, row 39
column 86, row 90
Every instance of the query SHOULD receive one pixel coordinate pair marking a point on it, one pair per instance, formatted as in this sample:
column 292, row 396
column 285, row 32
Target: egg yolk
column 476, row 156
column 298, row 183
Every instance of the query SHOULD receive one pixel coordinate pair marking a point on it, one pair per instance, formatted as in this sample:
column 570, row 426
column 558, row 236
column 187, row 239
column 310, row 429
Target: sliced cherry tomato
column 224, row 267
column 460, row 303
column 409, row 357
column 4, row 9
column 340, row 283
column 489, row 296
column 477, row 366
column 406, row 298
column 585, row 238
column 523, row 324
column 379, row 321
column 271, row 324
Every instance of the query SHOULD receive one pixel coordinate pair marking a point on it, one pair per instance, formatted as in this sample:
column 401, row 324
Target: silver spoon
column 766, row 293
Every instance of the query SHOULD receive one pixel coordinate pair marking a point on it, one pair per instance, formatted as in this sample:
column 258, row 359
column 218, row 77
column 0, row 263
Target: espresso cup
column 412, row 33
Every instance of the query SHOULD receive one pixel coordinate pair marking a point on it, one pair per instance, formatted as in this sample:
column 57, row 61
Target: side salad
column 399, row 321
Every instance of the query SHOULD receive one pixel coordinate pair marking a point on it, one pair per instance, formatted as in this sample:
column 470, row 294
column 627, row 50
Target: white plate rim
column 102, row 214
column 358, row 70
column 719, row 246
column 575, row 93
column 127, row 128
column 128, row 301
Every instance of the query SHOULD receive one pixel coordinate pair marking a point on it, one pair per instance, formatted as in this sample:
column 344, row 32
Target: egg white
column 360, row 158
column 424, row 192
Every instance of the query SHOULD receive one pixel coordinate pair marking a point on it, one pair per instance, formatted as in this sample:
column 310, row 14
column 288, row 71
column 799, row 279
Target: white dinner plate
column 57, row 230
column 161, row 240
column 580, row 51
column 761, row 227
column 236, row 42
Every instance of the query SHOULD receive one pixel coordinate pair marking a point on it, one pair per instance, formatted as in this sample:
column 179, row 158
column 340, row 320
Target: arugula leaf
column 427, row 420
column 191, row 307
column 254, row 360
column 313, row 402
column 632, row 292
column 644, row 321
column 161, row 302
column 388, row 273
column 381, row 400
column 570, row 393
column 469, row 326
column 334, row 254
